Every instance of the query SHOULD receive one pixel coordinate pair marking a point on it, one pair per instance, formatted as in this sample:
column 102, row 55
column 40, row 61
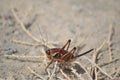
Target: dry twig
column 67, row 77
column 97, row 66
column 111, row 32
column 51, row 76
column 32, row 71
column 23, row 27
column 90, row 78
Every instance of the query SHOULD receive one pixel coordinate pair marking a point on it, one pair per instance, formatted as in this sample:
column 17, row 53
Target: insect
column 62, row 54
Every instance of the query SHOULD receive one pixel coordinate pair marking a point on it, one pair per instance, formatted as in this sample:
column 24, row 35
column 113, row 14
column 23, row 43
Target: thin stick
column 17, row 56
column 98, row 49
column 95, row 56
column 97, row 66
column 78, row 75
column 24, row 43
column 68, row 78
column 23, row 27
column 61, row 78
column 32, row 71
column 110, row 46
column 108, row 62
column 94, row 70
column 26, row 58
column 84, row 69
column 50, row 78
column 109, row 42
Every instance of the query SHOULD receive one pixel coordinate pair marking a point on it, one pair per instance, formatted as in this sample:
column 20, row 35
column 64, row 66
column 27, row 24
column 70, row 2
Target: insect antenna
column 84, row 53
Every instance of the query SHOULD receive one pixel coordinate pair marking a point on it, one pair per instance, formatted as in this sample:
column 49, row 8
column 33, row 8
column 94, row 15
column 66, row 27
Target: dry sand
column 86, row 22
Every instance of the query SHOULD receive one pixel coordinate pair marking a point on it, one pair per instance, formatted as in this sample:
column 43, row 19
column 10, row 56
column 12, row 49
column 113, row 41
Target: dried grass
column 95, row 68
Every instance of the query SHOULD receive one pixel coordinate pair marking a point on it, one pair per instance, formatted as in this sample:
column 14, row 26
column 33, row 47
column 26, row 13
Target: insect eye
column 48, row 52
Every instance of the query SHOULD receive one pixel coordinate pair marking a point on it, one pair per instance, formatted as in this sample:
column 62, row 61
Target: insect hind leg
column 67, row 44
column 68, row 55
column 73, row 50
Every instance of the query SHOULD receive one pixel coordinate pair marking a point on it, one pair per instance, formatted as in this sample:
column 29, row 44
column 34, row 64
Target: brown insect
column 62, row 54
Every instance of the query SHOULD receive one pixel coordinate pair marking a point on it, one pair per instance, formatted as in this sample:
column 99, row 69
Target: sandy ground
column 86, row 22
